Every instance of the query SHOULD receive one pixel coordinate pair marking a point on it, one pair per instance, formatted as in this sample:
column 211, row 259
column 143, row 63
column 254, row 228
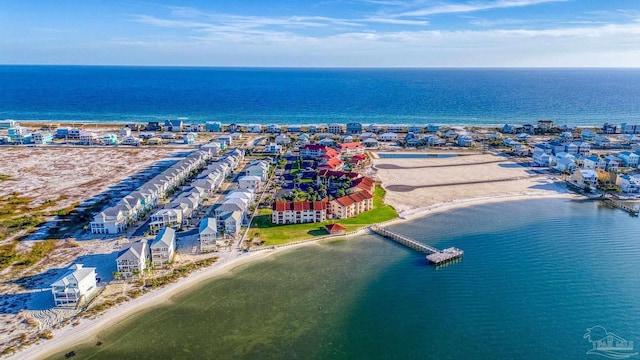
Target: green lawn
column 262, row 228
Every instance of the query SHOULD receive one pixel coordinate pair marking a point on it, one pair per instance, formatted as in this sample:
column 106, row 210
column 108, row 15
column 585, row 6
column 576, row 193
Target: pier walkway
column 434, row 256
column 614, row 202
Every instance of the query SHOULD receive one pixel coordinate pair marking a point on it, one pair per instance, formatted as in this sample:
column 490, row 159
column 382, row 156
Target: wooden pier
column 434, row 256
column 616, row 203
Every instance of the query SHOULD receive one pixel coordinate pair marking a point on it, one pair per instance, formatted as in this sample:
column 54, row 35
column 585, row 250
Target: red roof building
column 350, row 149
column 351, row 205
column 298, row 212
column 335, row 229
column 332, row 164
column 312, row 151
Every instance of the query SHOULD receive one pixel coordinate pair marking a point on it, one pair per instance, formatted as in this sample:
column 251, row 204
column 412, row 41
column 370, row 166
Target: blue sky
column 360, row 33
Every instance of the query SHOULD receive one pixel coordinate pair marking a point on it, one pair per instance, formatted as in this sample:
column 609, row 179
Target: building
column 42, row 138
column 8, row 123
column 628, row 183
column 585, row 178
column 249, row 182
column 173, row 125
column 208, row 233
column 389, row 136
column 335, row 229
column 297, row 212
column 335, row 128
column 163, row 247
column 258, row 168
column 354, row 128
column 133, row 258
column 164, row 218
column 351, row 205
column 316, row 151
column 75, row 287
column 350, row 149
column 109, row 221
column 630, row 159
column 213, row 126
column 543, row 159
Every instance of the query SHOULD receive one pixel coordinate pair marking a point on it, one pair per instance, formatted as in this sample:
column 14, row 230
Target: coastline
column 67, row 337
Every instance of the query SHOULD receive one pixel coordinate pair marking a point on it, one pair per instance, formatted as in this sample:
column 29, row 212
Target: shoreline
column 69, row 336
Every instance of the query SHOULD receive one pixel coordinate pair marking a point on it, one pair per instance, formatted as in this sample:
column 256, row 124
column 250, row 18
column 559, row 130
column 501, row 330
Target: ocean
column 577, row 97
column 536, row 275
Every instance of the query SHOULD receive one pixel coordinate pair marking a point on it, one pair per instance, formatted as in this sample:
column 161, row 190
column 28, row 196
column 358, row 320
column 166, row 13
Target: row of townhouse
column 137, row 204
column 359, row 201
column 183, row 208
column 231, row 214
column 135, row 257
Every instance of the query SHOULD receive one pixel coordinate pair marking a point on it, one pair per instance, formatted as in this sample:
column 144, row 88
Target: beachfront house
column 585, row 178
column 208, row 233
column 627, row 128
column 335, row 128
column 354, row 128
column 133, row 258
column 229, row 222
column 213, row 126
column 628, row 183
column 173, row 125
column 41, row 137
column 8, row 123
column 163, row 247
column 75, row 287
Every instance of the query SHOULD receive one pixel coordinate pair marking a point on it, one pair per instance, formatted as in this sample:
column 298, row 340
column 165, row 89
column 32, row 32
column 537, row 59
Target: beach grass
column 262, row 228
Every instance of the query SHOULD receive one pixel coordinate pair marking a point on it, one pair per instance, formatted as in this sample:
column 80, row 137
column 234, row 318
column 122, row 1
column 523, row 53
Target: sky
column 324, row 33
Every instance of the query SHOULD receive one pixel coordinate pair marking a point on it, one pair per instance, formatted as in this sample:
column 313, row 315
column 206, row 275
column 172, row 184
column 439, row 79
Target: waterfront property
column 208, row 233
column 133, row 258
column 297, row 212
column 74, row 287
column 163, row 247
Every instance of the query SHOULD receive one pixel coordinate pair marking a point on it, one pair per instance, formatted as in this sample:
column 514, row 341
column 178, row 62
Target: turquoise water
column 535, row 275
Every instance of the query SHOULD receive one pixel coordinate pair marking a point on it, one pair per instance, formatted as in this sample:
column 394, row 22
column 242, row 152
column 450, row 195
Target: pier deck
column 614, row 202
column 434, row 256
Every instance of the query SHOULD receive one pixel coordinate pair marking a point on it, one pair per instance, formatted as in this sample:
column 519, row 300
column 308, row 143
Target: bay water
column 535, row 276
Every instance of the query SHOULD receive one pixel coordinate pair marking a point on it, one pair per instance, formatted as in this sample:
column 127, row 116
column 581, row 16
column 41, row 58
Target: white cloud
column 451, row 8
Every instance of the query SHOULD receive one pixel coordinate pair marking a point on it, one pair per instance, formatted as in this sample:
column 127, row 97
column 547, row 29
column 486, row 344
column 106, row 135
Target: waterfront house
column 508, row 129
column 75, row 287
column 397, row 128
column 88, row 138
column 630, row 159
column 8, row 123
column 627, row 128
column 354, row 128
column 335, row 128
column 294, row 128
column 565, row 164
column 585, row 178
column 130, row 141
column 608, row 128
column 274, row 128
column 42, row 138
column 125, row 132
column 298, row 212
column 376, row 128
column 628, row 183
column 213, row 126
column 194, row 128
column 208, row 233
column 163, row 247
column 173, row 125
column 229, row 222
column 110, row 139
column 254, row 128
column 545, row 125
column 133, row 258
column 17, row 134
